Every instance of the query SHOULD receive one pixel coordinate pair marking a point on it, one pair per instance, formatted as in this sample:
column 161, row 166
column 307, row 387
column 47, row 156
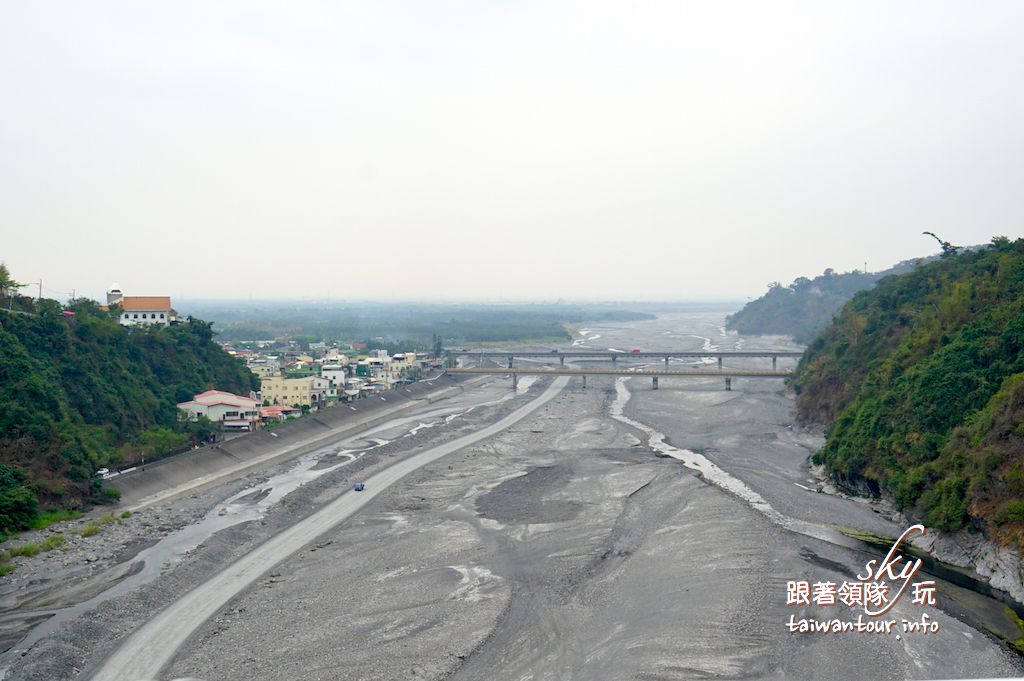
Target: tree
column 158, row 440
column 18, row 506
column 201, row 430
column 948, row 249
column 202, row 330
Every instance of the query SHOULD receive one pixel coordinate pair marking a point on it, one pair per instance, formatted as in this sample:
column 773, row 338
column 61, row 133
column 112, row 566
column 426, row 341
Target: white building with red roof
column 232, row 412
column 141, row 310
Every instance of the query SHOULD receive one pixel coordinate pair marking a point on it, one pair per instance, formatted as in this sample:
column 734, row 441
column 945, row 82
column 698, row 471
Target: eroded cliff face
column 1000, row 566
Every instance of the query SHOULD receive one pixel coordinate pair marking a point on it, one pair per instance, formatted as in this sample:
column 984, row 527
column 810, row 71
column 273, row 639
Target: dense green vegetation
column 806, row 306
column 80, row 392
column 921, row 383
column 388, row 324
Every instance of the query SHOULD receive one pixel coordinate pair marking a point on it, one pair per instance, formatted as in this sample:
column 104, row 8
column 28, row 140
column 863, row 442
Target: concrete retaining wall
column 212, row 465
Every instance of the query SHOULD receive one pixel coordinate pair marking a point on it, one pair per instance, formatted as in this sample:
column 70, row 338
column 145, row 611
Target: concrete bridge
column 615, row 356
column 728, row 374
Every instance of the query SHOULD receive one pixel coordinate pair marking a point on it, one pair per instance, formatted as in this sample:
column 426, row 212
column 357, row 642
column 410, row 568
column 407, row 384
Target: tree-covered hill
column 806, row 306
column 82, row 392
column 920, row 381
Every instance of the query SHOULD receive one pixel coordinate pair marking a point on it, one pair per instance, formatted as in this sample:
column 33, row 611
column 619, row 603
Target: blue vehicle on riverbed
column 359, row 487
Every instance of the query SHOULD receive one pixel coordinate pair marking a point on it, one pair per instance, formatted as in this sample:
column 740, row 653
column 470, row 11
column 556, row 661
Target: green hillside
column 806, row 306
column 920, row 383
column 79, row 393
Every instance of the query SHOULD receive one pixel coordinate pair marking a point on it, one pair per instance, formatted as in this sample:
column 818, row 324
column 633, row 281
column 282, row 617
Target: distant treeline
column 80, row 392
column 806, row 306
column 396, row 322
column 920, row 382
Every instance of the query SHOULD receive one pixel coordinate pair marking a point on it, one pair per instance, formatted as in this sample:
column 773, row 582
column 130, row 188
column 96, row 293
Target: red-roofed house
column 137, row 310
column 278, row 413
column 232, row 412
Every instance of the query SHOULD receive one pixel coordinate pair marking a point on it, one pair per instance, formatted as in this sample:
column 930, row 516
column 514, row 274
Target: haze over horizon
column 482, row 151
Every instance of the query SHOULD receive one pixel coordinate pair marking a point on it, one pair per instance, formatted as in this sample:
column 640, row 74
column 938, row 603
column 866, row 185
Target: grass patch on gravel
column 1018, row 644
column 28, row 550
column 44, row 520
column 879, row 541
column 95, row 526
column 90, row 529
column 866, row 537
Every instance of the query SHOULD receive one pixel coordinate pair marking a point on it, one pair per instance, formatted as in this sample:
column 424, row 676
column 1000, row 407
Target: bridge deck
column 553, row 371
column 643, row 354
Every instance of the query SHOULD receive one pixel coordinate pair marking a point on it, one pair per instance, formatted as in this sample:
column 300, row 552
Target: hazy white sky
column 665, row 150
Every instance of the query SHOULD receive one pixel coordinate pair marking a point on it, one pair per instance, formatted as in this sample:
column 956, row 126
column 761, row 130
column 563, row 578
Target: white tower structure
column 114, row 295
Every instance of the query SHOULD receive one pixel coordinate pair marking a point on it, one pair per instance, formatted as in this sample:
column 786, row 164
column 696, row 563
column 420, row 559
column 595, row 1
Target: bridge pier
column 510, row 361
column 561, row 360
column 775, row 362
column 719, row 362
column 584, row 381
column 515, row 381
column 615, row 359
column 728, row 383
column 654, row 380
column 666, row 360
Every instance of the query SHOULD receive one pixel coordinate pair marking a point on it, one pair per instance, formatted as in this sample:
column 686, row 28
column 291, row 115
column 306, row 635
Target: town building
column 264, row 366
column 376, row 366
column 335, row 373
column 278, row 413
column 262, row 370
column 306, row 391
column 141, row 310
column 401, row 360
column 232, row 412
column 335, row 356
column 326, row 389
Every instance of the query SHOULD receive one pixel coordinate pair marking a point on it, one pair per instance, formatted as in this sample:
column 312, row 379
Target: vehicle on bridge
column 635, row 350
